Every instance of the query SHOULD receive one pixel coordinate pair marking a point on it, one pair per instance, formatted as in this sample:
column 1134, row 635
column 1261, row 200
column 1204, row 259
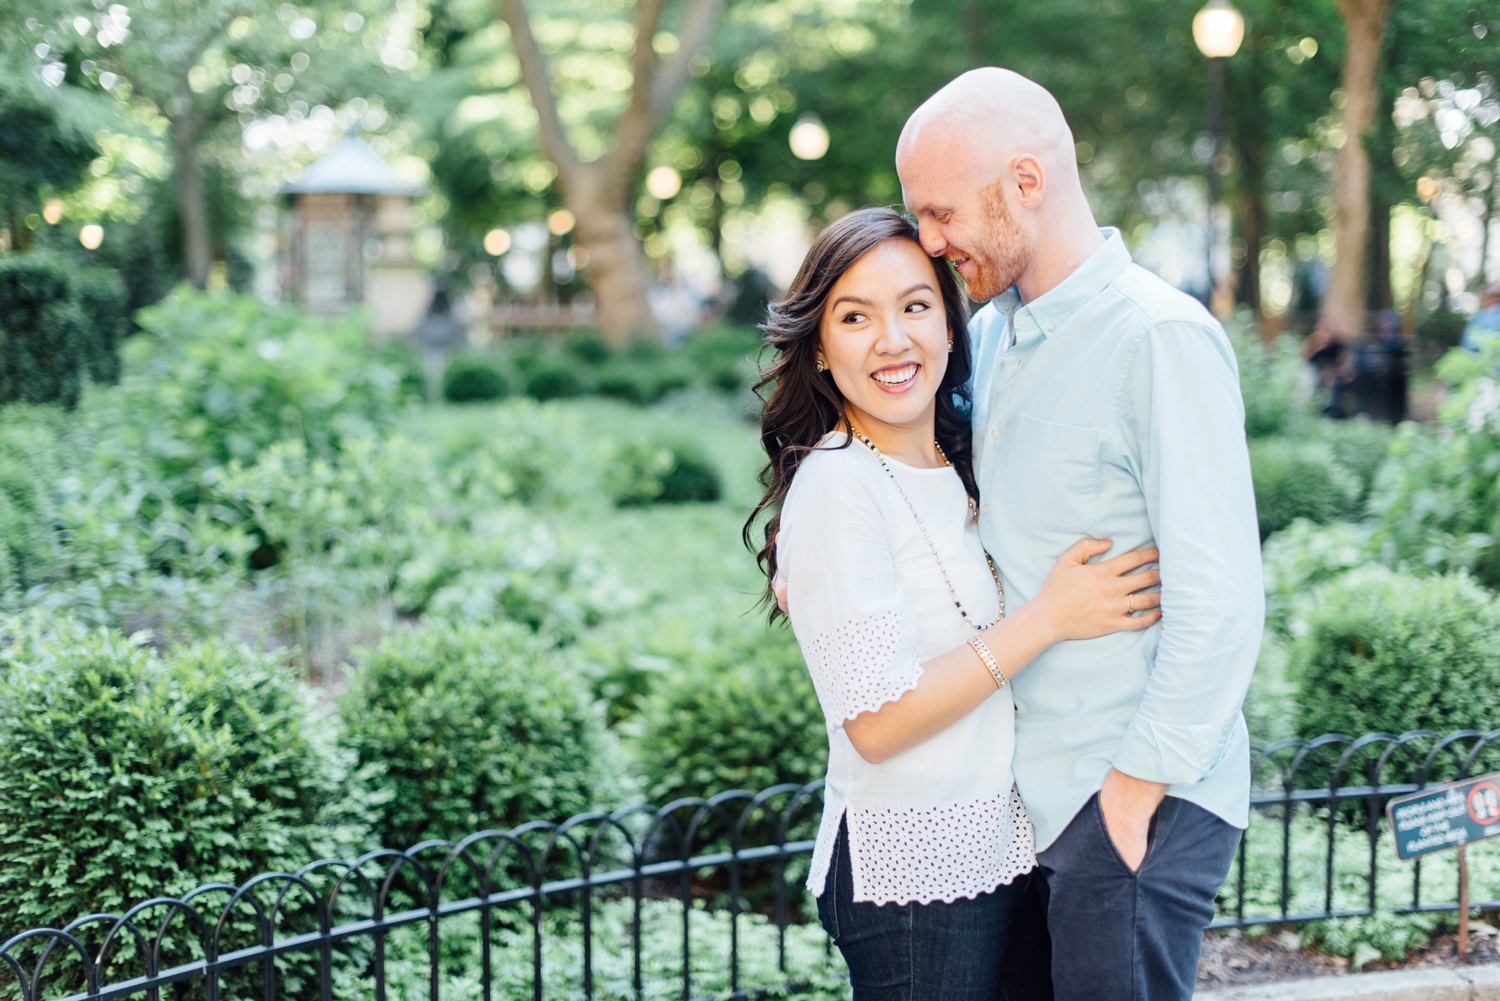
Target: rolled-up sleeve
column 1181, row 405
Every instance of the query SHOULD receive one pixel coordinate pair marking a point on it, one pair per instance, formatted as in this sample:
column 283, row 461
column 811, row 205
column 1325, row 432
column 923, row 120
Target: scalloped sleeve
column 857, row 629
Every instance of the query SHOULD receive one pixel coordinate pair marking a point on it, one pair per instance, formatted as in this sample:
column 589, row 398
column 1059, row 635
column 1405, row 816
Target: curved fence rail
column 698, row 898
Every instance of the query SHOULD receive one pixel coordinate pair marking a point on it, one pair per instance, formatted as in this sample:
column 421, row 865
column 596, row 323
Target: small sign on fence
column 1449, row 817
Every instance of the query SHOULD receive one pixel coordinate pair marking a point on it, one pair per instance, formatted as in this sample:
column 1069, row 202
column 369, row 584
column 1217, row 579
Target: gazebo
column 347, row 239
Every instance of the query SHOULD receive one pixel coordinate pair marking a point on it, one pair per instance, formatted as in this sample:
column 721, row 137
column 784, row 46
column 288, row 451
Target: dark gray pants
column 1119, row 935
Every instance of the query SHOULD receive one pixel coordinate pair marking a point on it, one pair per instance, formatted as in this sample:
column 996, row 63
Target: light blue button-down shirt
column 1110, row 407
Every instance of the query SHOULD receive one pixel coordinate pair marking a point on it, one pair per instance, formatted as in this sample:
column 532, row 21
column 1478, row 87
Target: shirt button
column 1051, row 327
column 984, row 509
column 994, row 432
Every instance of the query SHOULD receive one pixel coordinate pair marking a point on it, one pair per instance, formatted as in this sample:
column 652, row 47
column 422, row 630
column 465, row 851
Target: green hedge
column 44, row 342
column 474, row 727
column 102, row 296
column 1300, row 479
column 1272, row 383
column 1358, row 444
column 474, row 379
column 127, row 774
column 660, row 473
column 1385, row 651
column 744, row 716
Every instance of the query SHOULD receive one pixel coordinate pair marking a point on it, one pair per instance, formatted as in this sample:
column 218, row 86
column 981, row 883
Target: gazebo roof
column 351, row 167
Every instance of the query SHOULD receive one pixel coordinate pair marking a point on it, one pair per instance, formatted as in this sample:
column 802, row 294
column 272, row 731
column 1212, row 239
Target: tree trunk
column 187, row 130
column 617, row 268
column 1252, row 199
column 1248, row 137
column 1343, row 312
column 598, row 192
column 1380, row 295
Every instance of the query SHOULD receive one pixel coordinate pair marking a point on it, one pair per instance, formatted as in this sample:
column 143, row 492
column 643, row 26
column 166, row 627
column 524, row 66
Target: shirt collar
column 1044, row 314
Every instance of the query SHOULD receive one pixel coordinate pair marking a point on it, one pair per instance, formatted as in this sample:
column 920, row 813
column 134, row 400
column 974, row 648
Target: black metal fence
column 699, row 898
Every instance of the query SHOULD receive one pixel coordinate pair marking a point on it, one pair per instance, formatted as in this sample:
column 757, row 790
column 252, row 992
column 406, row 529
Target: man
column 1106, row 403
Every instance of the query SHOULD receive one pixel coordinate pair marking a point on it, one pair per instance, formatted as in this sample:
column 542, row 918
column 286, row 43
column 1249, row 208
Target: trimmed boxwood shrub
column 590, row 348
column 1358, row 444
column 474, row 378
column 43, row 340
column 102, row 297
column 1300, row 479
column 475, row 727
column 1272, row 384
column 662, row 474
column 127, row 774
column 555, row 379
column 1385, row 651
column 623, row 379
column 743, row 716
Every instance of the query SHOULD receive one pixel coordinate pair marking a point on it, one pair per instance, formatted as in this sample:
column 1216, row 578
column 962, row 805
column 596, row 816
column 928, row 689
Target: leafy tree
column 597, row 189
column 46, row 144
column 204, row 68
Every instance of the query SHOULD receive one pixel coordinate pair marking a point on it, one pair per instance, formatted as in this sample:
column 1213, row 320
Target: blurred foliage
column 474, row 379
column 46, row 145
column 1437, row 501
column 1300, row 479
column 1381, row 651
column 219, row 377
column 741, row 715
column 661, row 473
column 44, row 345
column 1273, row 383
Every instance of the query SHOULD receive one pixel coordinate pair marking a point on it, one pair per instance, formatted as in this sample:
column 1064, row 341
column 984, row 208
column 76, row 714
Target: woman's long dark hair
column 804, row 404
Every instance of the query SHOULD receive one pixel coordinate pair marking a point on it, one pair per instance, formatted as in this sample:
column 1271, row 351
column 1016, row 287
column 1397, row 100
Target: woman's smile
column 896, row 378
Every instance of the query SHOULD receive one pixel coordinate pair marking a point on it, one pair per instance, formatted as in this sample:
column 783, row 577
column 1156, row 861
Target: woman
column 923, row 846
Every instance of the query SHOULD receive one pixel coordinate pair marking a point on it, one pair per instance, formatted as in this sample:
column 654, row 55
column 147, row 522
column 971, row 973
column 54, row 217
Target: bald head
column 988, row 168
column 980, row 121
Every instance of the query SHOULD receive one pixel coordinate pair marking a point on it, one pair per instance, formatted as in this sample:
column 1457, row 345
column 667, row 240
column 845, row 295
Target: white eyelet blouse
column 868, row 604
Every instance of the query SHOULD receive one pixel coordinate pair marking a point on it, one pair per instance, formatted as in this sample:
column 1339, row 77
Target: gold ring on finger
column 1130, row 604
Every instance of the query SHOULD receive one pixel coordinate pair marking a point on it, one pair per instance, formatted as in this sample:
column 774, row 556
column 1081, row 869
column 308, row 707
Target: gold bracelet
column 988, row 660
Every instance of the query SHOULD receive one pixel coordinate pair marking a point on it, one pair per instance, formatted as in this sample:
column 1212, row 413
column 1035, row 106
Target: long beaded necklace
column 999, row 587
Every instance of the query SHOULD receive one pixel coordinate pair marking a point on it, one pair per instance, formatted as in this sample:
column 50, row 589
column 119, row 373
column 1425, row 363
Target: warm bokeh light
column 663, row 183
column 53, row 211
column 496, row 242
column 560, row 222
column 809, row 138
column 1218, row 29
column 1427, row 188
column 91, row 236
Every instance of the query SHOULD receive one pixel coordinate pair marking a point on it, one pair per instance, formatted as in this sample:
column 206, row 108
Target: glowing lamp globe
column 1218, row 29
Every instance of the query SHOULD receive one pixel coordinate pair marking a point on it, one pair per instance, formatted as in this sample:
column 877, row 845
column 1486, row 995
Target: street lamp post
column 1218, row 30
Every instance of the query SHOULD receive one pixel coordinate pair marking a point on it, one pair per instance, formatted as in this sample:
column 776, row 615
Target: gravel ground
column 1231, row 959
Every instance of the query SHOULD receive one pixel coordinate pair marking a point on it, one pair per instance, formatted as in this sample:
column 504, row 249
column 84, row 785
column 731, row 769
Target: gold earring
column 818, row 364
column 950, row 345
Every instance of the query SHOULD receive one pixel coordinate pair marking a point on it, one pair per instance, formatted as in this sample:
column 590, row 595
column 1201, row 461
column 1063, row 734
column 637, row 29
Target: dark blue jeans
column 1119, row 935
column 918, row 952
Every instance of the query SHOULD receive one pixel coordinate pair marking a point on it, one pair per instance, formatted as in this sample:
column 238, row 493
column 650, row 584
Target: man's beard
column 1007, row 249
